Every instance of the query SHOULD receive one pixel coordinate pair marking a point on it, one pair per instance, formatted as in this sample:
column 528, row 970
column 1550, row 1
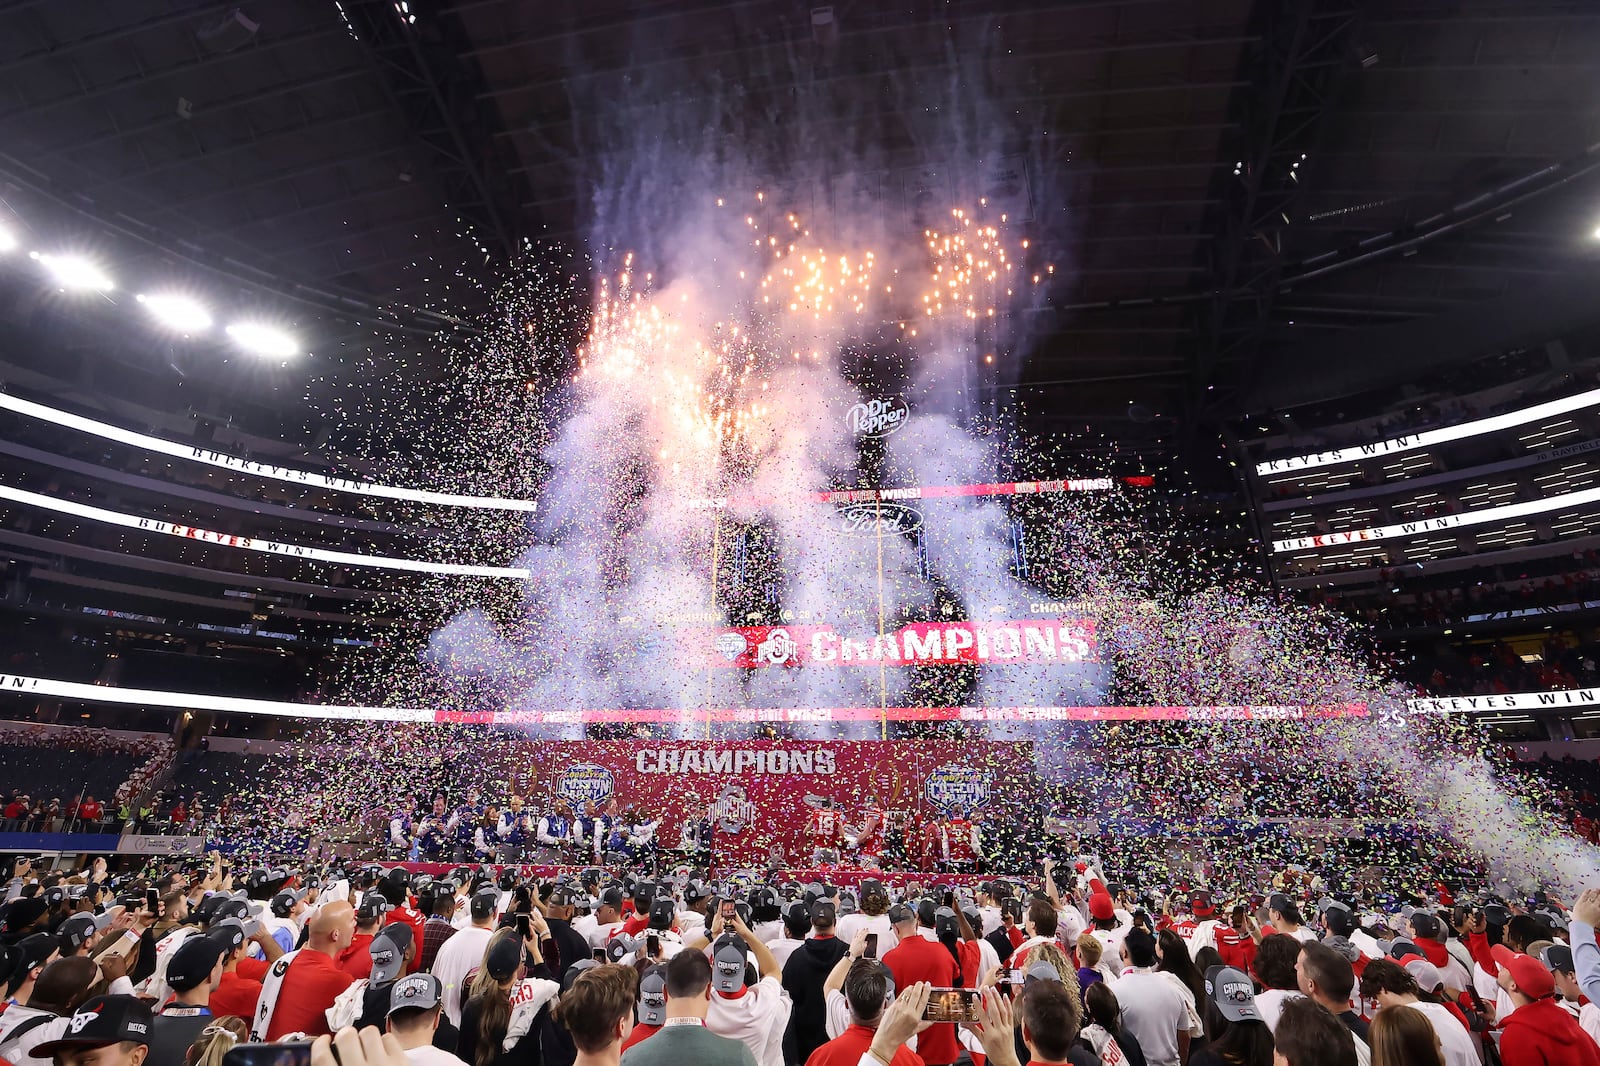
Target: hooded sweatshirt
column 803, row 976
column 1542, row 1034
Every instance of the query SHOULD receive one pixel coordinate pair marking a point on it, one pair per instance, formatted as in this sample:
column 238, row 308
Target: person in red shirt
column 867, row 987
column 91, row 811
column 825, row 829
column 356, row 960
column 1537, row 1032
column 314, row 980
column 960, row 853
column 1236, row 942
column 917, row 958
column 237, row 994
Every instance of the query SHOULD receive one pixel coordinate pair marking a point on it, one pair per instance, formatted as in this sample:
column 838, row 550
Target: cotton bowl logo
column 878, row 418
column 585, row 783
column 876, row 518
column 957, row 788
column 730, row 645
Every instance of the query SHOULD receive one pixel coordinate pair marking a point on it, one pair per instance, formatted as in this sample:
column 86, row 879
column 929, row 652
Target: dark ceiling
column 1232, row 186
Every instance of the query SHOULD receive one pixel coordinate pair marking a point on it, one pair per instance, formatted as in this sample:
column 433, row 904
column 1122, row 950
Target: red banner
column 1028, row 640
column 761, row 793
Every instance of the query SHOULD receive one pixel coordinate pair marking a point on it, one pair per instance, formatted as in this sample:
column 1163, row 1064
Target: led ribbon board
column 935, row 492
column 1507, row 701
column 1434, row 525
column 1428, row 438
column 254, row 544
column 86, row 693
column 249, row 466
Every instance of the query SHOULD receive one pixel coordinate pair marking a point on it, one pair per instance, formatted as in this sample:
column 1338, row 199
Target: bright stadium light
column 178, row 313
column 260, row 339
column 8, row 241
column 75, row 272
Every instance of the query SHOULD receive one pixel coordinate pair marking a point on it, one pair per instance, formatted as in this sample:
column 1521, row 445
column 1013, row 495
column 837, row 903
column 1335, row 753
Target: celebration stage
column 762, row 798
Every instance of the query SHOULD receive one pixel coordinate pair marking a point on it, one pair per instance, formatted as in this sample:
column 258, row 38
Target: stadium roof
column 1265, row 201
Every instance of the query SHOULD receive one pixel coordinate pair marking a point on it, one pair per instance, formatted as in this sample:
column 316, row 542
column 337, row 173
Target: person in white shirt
column 607, row 919
column 873, row 917
column 755, row 1014
column 1153, row 1011
column 1286, row 918
column 796, row 925
column 1558, row 957
column 414, row 1008
column 1387, row 982
column 462, row 954
column 1275, row 968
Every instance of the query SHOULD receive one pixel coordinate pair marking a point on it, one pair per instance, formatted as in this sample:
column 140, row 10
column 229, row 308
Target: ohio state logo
column 733, row 809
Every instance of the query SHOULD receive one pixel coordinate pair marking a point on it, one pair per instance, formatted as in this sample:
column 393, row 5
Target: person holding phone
column 757, row 1014
column 915, row 960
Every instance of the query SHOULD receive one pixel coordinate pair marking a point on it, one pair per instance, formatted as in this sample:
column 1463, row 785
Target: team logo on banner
column 585, row 783
column 957, row 788
column 730, row 645
column 877, row 518
column 733, row 809
column 879, row 417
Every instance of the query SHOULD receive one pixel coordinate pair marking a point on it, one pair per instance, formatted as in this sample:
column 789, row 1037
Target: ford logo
column 877, row 519
column 878, row 418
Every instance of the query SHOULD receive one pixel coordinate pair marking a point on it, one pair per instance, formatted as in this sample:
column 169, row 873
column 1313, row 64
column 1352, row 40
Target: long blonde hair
column 216, row 1040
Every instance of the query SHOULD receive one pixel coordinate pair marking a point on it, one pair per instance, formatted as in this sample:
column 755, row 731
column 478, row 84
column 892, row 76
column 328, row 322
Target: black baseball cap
column 662, row 912
column 899, row 913
column 503, row 958
column 611, row 897
column 101, row 1021
column 194, row 960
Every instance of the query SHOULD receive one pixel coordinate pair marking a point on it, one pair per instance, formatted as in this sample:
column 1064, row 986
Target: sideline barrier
column 105, row 843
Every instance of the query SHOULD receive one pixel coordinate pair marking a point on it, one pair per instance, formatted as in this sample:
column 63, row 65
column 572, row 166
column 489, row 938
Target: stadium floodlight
column 8, row 241
column 178, row 313
column 75, row 272
column 261, row 339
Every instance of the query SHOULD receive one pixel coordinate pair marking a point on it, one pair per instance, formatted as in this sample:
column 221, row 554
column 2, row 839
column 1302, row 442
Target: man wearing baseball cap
column 1537, row 1032
column 686, row 999
column 193, row 974
column 1569, row 997
column 917, row 958
column 415, row 1004
column 120, row 1024
column 237, row 992
column 463, row 952
column 756, row 1014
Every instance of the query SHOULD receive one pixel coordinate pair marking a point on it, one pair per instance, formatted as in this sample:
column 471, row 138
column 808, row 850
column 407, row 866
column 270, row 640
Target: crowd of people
column 179, row 964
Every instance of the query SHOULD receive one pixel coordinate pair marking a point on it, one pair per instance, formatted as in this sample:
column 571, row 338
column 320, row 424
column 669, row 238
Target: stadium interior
column 1324, row 289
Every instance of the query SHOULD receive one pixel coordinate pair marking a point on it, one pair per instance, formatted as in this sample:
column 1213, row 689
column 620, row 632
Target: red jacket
column 1542, row 1034
column 1236, row 948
